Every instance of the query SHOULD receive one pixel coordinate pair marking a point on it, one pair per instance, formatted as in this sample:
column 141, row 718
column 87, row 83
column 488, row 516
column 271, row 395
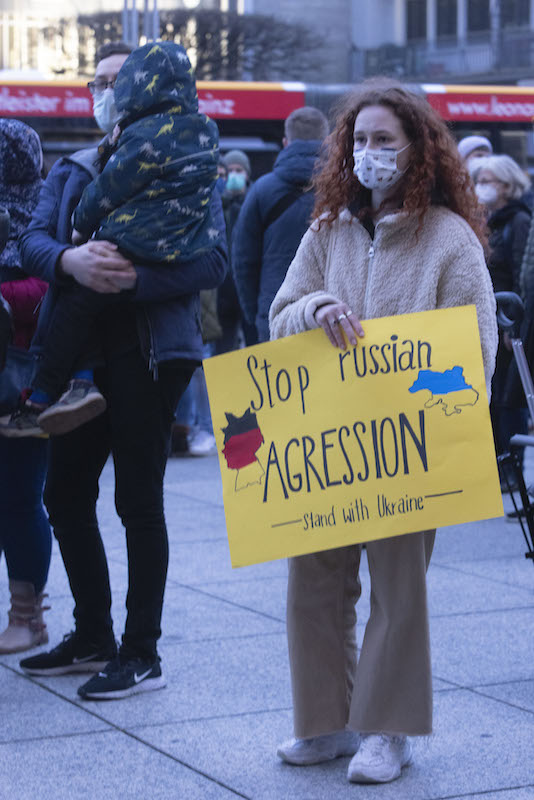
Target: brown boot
column 26, row 628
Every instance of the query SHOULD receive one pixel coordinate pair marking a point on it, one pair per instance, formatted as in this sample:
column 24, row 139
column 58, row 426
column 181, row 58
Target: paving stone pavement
column 213, row 732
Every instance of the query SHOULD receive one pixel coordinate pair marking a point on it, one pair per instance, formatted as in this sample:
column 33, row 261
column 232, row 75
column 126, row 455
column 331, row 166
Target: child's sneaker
column 81, row 402
column 23, row 422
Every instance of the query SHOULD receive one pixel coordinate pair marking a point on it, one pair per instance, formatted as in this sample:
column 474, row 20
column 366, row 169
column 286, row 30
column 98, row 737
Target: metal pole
column 146, row 22
column 125, row 20
column 496, row 33
column 155, row 21
column 135, row 25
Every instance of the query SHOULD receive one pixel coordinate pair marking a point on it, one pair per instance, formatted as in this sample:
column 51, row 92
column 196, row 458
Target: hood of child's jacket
column 155, row 77
column 20, row 184
column 295, row 162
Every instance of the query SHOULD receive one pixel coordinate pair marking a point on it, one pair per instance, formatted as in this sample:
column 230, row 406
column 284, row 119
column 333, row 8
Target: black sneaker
column 81, row 402
column 123, row 677
column 73, row 654
column 23, row 422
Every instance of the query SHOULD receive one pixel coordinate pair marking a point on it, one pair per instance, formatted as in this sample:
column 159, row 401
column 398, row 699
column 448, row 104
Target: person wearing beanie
column 234, row 326
column 238, row 169
column 474, row 147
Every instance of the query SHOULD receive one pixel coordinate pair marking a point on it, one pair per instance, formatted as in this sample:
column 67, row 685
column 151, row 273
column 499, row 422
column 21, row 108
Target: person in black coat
column 501, row 186
column 237, row 183
column 275, row 216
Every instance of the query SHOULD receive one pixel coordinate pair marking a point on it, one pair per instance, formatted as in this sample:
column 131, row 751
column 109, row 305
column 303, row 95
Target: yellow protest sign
column 321, row 448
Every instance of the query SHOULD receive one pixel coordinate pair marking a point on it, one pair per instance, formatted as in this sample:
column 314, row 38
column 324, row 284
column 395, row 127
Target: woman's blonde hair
column 505, row 170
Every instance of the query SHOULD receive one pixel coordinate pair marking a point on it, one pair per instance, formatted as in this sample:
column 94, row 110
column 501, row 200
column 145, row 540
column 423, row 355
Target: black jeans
column 136, row 430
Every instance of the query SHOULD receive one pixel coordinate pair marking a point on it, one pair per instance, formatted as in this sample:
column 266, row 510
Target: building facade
column 459, row 40
column 331, row 22
column 470, row 41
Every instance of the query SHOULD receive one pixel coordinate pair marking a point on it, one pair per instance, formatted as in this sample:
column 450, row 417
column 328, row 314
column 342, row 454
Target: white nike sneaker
column 380, row 758
column 315, row 750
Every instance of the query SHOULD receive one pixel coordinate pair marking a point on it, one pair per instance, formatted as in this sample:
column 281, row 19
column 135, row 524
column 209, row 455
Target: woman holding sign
column 397, row 230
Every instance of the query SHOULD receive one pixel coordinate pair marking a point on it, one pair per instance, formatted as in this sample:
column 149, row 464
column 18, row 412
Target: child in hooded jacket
column 152, row 200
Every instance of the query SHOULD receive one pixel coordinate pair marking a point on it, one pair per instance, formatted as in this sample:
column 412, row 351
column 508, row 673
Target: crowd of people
column 135, row 260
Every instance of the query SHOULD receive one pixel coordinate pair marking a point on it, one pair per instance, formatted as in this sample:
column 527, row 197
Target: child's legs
column 70, row 337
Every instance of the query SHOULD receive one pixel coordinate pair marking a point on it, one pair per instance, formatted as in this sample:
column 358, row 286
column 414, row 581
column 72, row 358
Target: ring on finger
column 350, row 313
column 341, row 316
column 333, row 322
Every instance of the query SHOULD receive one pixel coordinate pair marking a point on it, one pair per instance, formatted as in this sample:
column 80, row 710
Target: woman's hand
column 338, row 320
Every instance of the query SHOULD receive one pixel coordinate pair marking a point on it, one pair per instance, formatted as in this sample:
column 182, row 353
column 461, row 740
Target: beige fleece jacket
column 397, row 273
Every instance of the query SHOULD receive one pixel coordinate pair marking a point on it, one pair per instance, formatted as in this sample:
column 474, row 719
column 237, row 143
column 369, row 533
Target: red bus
column 251, row 115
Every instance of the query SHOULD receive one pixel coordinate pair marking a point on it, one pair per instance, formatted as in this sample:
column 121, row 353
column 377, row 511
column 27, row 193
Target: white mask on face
column 377, row 169
column 104, row 110
column 487, row 193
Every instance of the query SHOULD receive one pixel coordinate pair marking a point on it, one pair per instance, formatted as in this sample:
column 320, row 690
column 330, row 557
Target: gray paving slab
column 29, row 711
column 228, row 703
column 477, row 541
column 205, row 679
column 469, row 752
column 516, row 693
column 519, row 793
column 192, row 615
column 480, row 648
column 509, row 572
column 100, row 765
column 194, row 563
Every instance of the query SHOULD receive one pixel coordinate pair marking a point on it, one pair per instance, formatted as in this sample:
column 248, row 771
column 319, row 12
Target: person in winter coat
column 501, row 184
column 151, row 199
column 237, row 184
column 25, row 536
column 396, row 230
column 150, row 348
column 275, row 216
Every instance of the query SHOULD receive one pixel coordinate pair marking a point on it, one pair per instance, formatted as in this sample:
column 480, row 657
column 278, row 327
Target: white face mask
column 487, row 193
column 377, row 169
column 104, row 110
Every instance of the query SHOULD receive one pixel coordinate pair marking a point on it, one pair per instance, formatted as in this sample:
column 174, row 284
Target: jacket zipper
column 152, row 363
column 370, row 256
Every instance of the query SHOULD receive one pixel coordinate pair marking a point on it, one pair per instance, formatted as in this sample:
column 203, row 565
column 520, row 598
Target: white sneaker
column 202, row 444
column 317, row 749
column 380, row 758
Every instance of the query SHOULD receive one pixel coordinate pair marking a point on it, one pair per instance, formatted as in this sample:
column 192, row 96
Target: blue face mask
column 237, row 182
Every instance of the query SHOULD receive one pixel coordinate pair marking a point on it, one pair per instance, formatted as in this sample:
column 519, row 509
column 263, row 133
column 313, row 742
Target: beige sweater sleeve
column 465, row 280
column 302, row 291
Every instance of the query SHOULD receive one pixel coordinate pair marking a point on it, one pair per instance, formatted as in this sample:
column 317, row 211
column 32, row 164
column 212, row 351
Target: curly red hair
column 436, row 174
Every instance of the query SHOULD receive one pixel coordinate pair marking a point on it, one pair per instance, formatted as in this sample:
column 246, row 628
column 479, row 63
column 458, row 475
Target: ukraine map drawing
column 447, row 389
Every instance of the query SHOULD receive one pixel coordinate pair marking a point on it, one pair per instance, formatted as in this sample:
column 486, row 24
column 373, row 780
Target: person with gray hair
column 275, row 216
column 501, row 184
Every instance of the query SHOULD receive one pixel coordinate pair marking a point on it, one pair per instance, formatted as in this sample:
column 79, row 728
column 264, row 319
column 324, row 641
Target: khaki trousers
column 390, row 689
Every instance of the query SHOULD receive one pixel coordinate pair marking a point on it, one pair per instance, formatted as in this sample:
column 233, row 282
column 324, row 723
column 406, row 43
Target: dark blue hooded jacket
column 152, row 197
column 260, row 256
column 166, row 297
